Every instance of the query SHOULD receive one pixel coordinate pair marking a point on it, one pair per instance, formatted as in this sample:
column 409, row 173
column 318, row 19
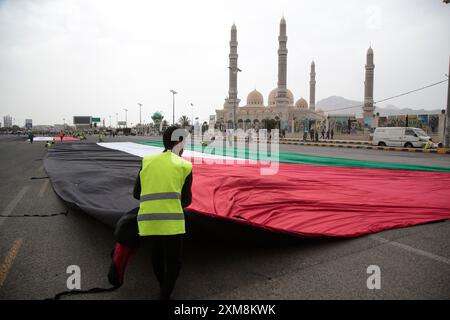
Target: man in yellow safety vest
column 163, row 188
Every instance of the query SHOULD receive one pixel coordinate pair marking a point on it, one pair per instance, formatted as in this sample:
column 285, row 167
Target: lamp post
column 117, row 120
column 140, row 118
column 126, row 123
column 173, row 105
column 109, row 121
column 192, row 105
column 447, row 140
column 234, row 70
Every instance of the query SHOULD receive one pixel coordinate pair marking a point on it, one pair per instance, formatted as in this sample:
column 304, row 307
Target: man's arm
column 137, row 186
column 186, row 193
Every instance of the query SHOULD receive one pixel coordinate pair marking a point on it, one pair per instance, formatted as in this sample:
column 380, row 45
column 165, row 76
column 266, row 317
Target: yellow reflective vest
column 162, row 179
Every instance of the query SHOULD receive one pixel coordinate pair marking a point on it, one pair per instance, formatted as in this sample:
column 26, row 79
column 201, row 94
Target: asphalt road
column 221, row 260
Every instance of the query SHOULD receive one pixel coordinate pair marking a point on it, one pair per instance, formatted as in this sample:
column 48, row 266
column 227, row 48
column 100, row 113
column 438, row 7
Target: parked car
column 407, row 137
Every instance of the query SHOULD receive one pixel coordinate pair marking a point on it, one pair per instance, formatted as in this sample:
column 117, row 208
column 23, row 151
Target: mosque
column 281, row 110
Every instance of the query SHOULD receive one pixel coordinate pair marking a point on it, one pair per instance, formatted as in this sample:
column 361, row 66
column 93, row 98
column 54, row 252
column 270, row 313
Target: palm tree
column 184, row 121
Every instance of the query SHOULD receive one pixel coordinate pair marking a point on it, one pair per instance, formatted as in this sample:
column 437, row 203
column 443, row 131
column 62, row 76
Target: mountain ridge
column 335, row 105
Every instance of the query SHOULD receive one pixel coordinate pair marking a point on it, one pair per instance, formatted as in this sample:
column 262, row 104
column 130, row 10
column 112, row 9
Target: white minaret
column 369, row 108
column 233, row 67
column 312, row 87
column 281, row 99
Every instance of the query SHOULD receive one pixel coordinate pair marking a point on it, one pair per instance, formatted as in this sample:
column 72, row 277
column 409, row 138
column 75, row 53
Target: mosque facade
column 280, row 110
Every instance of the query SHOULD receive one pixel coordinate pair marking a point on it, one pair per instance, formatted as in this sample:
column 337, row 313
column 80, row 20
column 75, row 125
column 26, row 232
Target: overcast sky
column 60, row 58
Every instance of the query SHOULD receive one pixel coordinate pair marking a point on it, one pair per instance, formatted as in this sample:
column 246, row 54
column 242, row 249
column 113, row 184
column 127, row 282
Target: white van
column 407, row 137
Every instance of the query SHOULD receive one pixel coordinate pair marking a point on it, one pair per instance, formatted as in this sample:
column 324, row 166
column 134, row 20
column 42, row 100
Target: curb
column 361, row 145
column 358, row 142
column 368, row 147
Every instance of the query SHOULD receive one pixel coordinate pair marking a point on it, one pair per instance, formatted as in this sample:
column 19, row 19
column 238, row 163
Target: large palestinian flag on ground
column 308, row 196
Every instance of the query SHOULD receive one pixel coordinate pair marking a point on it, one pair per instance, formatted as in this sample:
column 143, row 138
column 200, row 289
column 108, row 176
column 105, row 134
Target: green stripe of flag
column 288, row 157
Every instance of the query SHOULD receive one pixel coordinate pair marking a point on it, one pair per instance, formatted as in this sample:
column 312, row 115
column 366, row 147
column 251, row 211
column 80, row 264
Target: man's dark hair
column 170, row 142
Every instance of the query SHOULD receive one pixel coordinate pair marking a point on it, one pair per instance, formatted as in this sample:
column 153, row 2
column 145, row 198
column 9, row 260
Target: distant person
column 328, row 134
column 428, row 144
column 31, row 136
column 332, row 133
column 311, row 134
column 317, row 136
column 231, row 137
column 61, row 135
column 305, row 136
column 322, row 133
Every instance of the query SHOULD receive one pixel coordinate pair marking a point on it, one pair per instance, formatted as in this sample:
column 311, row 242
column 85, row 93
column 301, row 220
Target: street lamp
column 192, row 105
column 109, row 121
column 140, row 117
column 126, row 123
column 447, row 139
column 234, row 70
column 117, row 120
column 173, row 105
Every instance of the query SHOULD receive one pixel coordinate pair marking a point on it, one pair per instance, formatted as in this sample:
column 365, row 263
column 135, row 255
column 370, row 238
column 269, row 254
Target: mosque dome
column 273, row 95
column 301, row 103
column 255, row 98
column 157, row 116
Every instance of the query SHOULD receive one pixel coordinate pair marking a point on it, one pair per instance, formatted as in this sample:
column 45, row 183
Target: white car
column 407, row 137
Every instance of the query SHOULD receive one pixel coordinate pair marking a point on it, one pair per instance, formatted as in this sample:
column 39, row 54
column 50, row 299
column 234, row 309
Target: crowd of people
column 314, row 135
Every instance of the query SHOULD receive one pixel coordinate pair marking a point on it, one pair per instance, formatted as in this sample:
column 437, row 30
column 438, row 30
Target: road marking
column 43, row 188
column 412, row 249
column 12, row 205
column 9, row 260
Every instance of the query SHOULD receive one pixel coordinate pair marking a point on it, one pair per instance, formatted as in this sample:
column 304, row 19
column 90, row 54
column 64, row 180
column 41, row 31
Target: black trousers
column 166, row 260
column 166, row 251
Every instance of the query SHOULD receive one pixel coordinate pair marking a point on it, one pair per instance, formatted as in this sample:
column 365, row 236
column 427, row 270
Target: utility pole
column 447, row 138
column 140, row 118
column 173, row 105
column 192, row 105
column 126, row 122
